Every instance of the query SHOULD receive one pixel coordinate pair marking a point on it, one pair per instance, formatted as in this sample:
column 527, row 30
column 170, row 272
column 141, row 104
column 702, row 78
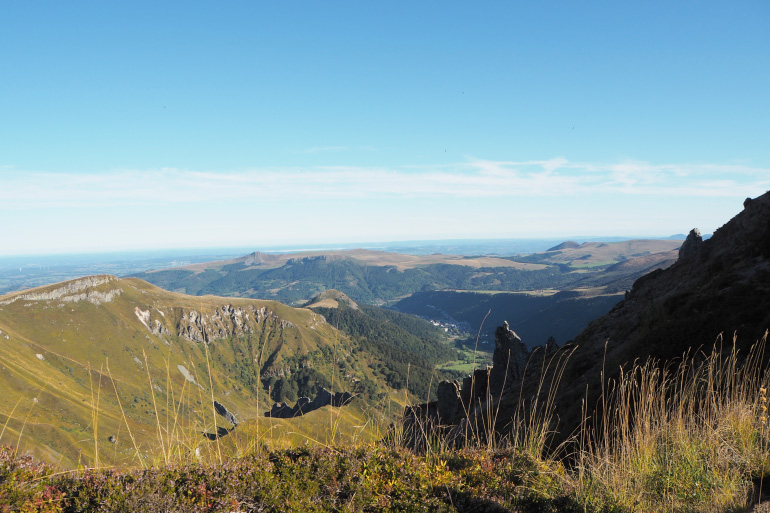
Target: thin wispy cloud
column 471, row 179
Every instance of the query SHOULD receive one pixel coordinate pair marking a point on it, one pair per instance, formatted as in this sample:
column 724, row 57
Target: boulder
column 224, row 412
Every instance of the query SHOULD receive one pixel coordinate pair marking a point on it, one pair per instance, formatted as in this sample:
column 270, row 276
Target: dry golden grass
column 689, row 437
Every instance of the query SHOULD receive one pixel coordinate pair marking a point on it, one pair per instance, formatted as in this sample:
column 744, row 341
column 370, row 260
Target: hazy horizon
column 340, row 246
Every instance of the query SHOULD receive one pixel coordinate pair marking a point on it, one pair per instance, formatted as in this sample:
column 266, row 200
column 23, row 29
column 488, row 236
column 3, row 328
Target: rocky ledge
column 72, row 292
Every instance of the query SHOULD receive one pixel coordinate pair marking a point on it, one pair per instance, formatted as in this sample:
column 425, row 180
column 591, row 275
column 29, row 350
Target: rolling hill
column 376, row 277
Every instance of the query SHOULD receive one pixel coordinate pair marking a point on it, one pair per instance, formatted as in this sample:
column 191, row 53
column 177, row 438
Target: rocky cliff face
column 224, row 322
column 721, row 285
column 73, row 292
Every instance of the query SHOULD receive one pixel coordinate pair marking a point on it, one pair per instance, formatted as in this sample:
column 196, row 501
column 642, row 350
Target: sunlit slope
column 154, row 348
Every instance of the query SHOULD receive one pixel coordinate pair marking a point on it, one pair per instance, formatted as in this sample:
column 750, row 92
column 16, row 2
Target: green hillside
column 405, row 360
column 99, row 360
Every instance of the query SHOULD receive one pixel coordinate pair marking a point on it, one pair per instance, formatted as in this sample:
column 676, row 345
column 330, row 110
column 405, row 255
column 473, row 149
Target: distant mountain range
column 19, row 272
column 376, row 277
column 592, row 277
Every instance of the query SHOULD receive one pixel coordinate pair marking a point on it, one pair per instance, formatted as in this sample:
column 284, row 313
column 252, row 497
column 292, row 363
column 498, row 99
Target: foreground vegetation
column 688, row 438
column 371, row 478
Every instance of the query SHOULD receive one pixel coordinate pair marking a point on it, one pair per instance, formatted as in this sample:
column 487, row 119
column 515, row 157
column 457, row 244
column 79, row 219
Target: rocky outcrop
column 479, row 392
column 229, row 416
column 73, row 292
column 305, row 405
column 691, row 245
column 508, row 361
column 222, row 410
column 226, row 321
column 155, row 326
column 449, row 403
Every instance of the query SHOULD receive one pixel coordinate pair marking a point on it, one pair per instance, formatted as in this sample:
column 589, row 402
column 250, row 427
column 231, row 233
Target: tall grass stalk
column 96, row 417
column 688, row 437
column 534, row 424
column 10, row 416
column 26, row 418
column 161, row 440
column 211, row 390
column 125, row 420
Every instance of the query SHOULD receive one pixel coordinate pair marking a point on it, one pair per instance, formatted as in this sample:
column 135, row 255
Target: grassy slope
column 56, row 404
column 699, row 443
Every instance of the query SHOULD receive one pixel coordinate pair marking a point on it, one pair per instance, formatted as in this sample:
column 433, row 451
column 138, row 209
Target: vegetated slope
column 357, row 273
column 75, row 354
column 535, row 317
column 408, row 348
column 377, row 277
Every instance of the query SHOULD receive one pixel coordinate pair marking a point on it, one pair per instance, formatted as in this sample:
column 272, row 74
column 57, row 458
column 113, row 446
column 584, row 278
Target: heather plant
column 25, row 484
column 313, row 478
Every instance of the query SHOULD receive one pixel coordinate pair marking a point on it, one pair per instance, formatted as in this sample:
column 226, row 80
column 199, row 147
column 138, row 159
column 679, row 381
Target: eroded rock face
column 225, row 322
column 305, row 405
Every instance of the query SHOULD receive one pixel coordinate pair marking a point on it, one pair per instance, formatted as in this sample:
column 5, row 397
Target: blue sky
column 187, row 124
